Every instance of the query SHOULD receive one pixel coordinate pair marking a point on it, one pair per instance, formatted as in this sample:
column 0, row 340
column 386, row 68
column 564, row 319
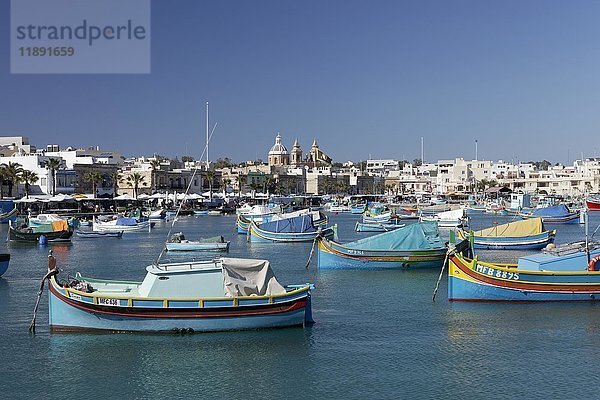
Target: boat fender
column 592, row 263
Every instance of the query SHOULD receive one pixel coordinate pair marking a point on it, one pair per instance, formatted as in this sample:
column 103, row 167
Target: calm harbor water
column 377, row 333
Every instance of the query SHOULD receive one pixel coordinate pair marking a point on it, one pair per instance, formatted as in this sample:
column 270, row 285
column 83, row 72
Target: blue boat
column 243, row 222
column 565, row 273
column 94, row 234
column 200, row 212
column 218, row 295
column 289, row 230
column 8, row 211
column 526, row 234
column 413, row 246
column 4, row 260
column 554, row 214
column 358, row 208
column 378, row 227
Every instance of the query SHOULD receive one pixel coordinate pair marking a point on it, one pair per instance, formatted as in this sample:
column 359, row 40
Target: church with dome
column 279, row 156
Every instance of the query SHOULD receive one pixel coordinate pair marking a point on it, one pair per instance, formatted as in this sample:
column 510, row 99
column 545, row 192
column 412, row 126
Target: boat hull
column 533, row 242
column 331, row 255
column 91, row 234
column 141, row 226
column 81, row 312
column 593, row 204
column 4, row 261
column 197, row 246
column 474, row 281
column 259, row 235
column 34, row 237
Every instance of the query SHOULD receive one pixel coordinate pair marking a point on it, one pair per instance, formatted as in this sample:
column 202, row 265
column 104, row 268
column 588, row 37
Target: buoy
column 592, row 263
column 43, row 240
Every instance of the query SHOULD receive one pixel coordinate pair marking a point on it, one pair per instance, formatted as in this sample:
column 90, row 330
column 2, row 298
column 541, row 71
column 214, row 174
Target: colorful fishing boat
column 593, row 203
column 7, row 214
column 370, row 218
column 200, row 212
column 358, row 208
column 104, row 234
column 157, row 214
column 517, row 235
column 289, row 230
column 377, row 227
column 218, row 295
column 413, row 246
column 4, row 260
column 24, row 233
column 178, row 242
column 565, row 273
column 554, row 214
column 243, row 223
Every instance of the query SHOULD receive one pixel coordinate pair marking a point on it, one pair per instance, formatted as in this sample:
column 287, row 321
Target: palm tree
column 3, row 178
column 134, row 180
column 53, row 164
column 210, row 176
column 28, row 177
column 94, row 177
column 13, row 175
column 155, row 164
column 254, row 186
column 115, row 178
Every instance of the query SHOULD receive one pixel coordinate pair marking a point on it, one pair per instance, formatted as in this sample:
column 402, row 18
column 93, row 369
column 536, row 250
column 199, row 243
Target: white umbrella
column 61, row 197
column 143, row 196
column 125, row 196
column 27, row 200
column 157, row 196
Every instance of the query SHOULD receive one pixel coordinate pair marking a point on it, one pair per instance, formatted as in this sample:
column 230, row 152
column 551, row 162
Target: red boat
column 593, row 203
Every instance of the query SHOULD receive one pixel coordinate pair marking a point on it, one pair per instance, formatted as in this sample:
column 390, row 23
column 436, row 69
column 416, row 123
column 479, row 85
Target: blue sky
column 365, row 78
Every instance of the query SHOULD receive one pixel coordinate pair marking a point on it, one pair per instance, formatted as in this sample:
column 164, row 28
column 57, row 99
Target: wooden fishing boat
column 29, row 234
column 243, row 223
column 121, row 224
column 289, row 230
column 358, row 208
column 218, row 295
column 4, row 260
column 554, row 214
column 377, row 227
column 103, row 234
column 517, row 235
column 178, row 242
column 559, row 274
column 413, row 246
column 593, row 203
column 157, row 214
column 200, row 212
column 369, row 218
column 8, row 216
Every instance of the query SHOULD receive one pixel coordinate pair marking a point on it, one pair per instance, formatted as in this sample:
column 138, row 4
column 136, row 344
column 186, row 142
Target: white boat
column 121, row 224
column 447, row 219
column 178, row 242
column 157, row 214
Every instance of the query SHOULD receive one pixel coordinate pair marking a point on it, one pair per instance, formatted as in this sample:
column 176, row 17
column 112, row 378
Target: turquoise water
column 377, row 333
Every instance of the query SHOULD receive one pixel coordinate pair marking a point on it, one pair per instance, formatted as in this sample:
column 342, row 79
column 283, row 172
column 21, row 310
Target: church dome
column 278, row 148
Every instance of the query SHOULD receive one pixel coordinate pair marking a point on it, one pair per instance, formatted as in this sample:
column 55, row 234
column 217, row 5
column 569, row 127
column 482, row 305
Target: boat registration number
column 356, row 252
column 108, row 302
column 483, row 269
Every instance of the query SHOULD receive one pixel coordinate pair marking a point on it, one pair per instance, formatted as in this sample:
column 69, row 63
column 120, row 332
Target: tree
column 13, row 175
column 210, row 177
column 269, row 184
column 155, row 165
column 254, row 186
column 28, row 177
column 417, row 162
column 53, row 165
column 115, row 179
column 187, row 158
column 3, row 178
column 222, row 163
column 134, row 180
column 94, row 177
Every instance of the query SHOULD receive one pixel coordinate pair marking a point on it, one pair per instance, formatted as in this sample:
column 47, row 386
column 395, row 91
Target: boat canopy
column 124, row 221
column 246, row 277
column 300, row 224
column 418, row 236
column 523, row 228
column 553, row 211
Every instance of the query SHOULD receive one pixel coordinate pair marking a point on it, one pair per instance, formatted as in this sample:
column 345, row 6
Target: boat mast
column 207, row 136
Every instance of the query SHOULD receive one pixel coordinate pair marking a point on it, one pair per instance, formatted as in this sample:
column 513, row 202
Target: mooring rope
column 52, row 270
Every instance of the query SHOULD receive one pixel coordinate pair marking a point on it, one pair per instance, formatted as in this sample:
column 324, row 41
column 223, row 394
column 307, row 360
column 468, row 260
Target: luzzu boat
column 92, row 234
column 58, row 231
column 219, row 295
column 518, row 235
column 243, row 223
column 289, row 230
column 377, row 227
column 593, row 203
column 559, row 274
column 447, row 219
column 554, row 214
column 413, row 246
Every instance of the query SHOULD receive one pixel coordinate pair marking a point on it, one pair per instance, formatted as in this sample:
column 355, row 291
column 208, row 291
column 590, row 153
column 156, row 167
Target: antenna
column 422, row 153
column 476, row 150
column 207, row 138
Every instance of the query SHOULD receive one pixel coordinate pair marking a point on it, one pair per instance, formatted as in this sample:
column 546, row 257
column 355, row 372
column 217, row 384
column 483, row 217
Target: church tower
column 296, row 154
column 278, row 155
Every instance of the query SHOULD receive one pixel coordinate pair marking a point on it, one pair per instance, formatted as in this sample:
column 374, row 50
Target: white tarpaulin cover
column 245, row 277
